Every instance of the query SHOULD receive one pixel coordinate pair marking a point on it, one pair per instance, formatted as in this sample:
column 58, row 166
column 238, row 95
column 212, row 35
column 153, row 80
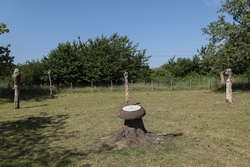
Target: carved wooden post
column 16, row 76
column 229, row 99
column 126, row 86
column 50, row 85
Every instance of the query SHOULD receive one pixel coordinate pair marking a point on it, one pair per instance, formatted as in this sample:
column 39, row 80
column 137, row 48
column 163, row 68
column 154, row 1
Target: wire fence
column 172, row 85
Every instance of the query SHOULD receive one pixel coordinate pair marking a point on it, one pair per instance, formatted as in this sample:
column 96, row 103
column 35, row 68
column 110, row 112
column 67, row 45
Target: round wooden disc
column 130, row 112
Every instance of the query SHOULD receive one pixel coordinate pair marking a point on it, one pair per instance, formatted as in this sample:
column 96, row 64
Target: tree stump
column 16, row 76
column 133, row 131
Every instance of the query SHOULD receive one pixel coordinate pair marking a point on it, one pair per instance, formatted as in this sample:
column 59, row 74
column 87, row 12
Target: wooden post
column 92, row 86
column 209, row 83
column 152, row 83
column 171, row 88
column 50, row 85
column 229, row 92
column 126, row 86
column 111, row 84
column 190, row 84
column 71, row 87
column 16, row 76
column 131, row 83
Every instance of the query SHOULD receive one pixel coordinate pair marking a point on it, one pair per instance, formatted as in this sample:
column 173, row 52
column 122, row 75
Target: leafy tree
column 108, row 58
column 182, row 66
column 208, row 63
column 161, row 75
column 64, row 64
column 229, row 42
column 99, row 60
column 32, row 72
column 6, row 61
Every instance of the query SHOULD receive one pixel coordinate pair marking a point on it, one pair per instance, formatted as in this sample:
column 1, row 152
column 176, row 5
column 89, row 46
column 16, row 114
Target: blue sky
column 165, row 28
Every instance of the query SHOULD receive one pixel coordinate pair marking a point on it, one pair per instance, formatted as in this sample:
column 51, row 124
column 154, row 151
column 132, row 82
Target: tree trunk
column 222, row 80
column 229, row 91
column 16, row 76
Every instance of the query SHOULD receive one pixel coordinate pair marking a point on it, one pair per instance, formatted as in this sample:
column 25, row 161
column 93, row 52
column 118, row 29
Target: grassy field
column 66, row 130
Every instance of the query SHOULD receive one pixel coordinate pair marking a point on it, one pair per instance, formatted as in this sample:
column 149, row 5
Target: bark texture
column 229, row 83
column 16, row 77
column 222, row 80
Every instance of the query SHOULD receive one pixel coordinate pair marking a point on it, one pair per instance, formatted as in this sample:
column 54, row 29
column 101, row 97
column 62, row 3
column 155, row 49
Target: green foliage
column 105, row 59
column 6, row 61
column 177, row 68
column 100, row 60
column 64, row 64
column 3, row 28
column 229, row 40
column 32, row 72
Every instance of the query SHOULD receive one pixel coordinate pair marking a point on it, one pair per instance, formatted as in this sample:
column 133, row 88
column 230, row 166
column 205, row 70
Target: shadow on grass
column 26, row 93
column 36, row 106
column 26, row 142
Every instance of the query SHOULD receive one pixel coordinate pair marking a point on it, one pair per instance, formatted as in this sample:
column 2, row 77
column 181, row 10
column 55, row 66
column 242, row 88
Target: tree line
column 6, row 60
column 98, row 60
column 104, row 59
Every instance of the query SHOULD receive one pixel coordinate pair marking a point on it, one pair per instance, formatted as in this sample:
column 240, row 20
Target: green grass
column 66, row 130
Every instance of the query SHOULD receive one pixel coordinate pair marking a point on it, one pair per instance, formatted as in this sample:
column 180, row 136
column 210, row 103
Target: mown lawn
column 66, row 130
